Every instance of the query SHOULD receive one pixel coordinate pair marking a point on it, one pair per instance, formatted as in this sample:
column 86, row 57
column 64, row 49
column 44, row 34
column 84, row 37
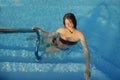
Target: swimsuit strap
column 67, row 42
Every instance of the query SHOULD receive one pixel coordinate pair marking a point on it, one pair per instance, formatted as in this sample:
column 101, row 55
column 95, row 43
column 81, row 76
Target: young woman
column 68, row 36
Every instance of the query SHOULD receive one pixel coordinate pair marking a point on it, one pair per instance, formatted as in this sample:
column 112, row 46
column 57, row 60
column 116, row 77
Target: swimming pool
column 98, row 19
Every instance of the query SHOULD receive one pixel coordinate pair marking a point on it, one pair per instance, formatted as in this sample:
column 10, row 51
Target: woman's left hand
column 87, row 75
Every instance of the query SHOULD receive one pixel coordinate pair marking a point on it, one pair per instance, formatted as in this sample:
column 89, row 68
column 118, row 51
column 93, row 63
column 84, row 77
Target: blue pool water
column 99, row 20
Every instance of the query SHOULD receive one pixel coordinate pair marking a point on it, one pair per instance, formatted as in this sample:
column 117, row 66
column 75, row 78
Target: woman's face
column 69, row 23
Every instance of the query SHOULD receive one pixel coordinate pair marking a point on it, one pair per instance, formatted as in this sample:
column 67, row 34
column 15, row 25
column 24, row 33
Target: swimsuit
column 65, row 42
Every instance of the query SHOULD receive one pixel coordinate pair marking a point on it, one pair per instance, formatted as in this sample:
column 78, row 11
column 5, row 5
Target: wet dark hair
column 71, row 17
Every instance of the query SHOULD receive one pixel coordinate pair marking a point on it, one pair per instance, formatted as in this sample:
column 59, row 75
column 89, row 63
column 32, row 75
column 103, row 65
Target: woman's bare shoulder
column 80, row 34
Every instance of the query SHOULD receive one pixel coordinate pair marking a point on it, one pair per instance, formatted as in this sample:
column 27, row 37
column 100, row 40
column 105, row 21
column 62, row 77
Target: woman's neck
column 71, row 30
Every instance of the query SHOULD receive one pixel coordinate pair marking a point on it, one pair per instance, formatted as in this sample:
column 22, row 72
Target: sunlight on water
column 59, row 68
column 98, row 19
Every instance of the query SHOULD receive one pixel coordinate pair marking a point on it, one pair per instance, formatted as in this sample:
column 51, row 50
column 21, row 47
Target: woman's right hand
column 37, row 28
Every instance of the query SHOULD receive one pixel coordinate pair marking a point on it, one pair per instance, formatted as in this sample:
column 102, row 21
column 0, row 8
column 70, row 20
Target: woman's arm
column 85, row 48
column 44, row 32
column 87, row 71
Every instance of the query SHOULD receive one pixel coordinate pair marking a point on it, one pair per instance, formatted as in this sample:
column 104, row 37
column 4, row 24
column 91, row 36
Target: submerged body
column 65, row 39
column 68, row 36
